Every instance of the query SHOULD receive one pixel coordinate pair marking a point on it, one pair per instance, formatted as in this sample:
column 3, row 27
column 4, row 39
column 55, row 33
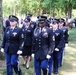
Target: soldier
column 50, row 20
column 28, row 33
column 33, row 24
column 59, row 41
column 12, row 45
column 43, row 46
column 65, row 34
column 47, row 22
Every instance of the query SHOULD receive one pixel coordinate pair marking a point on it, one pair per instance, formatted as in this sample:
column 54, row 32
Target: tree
column 52, row 7
column 31, row 6
column 1, row 21
column 11, row 7
column 67, row 6
column 1, row 29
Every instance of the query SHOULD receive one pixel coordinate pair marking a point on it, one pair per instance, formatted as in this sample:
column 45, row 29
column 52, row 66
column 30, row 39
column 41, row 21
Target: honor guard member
column 43, row 46
column 33, row 24
column 47, row 22
column 50, row 20
column 65, row 35
column 59, row 41
column 12, row 45
column 28, row 34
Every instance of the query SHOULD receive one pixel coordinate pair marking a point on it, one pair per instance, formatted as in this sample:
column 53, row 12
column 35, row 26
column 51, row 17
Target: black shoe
column 60, row 65
column 27, row 67
column 55, row 72
column 49, row 74
column 23, row 65
column 19, row 72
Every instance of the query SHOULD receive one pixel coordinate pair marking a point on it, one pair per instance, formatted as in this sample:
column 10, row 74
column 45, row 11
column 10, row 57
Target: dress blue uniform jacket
column 13, row 40
column 43, row 42
column 33, row 25
column 59, row 40
column 65, row 33
column 28, row 34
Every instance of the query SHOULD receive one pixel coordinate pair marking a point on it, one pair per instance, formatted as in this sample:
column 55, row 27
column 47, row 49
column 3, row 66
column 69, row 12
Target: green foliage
column 56, row 7
column 72, row 35
column 11, row 7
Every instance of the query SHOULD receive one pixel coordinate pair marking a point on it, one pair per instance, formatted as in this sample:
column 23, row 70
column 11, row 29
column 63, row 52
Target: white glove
column 2, row 50
column 32, row 55
column 66, row 44
column 48, row 56
column 19, row 52
column 56, row 49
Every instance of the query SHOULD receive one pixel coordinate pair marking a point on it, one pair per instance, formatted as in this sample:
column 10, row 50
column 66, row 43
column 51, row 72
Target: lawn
column 69, row 62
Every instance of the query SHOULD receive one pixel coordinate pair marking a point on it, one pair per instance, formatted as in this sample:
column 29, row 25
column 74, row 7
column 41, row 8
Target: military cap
column 13, row 18
column 61, row 20
column 42, row 19
column 50, row 19
column 54, row 21
column 27, row 19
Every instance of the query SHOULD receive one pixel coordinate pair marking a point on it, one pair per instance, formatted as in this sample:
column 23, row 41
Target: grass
column 72, row 34
column 69, row 62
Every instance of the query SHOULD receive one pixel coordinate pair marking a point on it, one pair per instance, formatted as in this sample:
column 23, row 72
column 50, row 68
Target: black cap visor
column 26, row 21
column 61, row 22
column 53, row 23
column 41, row 22
column 12, row 19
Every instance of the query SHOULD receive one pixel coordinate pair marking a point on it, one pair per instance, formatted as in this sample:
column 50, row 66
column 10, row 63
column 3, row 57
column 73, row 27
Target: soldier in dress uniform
column 59, row 42
column 43, row 46
column 50, row 20
column 12, row 45
column 65, row 35
column 33, row 24
column 28, row 34
column 47, row 23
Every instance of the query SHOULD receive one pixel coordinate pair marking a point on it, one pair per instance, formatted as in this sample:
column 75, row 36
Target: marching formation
column 45, row 40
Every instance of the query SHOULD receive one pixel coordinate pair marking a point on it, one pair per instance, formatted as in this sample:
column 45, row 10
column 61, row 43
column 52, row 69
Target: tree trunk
column 52, row 13
column 14, row 10
column 1, row 29
column 1, row 22
column 66, row 13
column 69, row 10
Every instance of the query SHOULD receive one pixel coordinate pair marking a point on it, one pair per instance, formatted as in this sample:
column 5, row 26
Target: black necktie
column 11, row 29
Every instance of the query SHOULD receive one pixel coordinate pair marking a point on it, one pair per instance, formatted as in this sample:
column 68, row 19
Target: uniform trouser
column 40, row 64
column 50, row 65
column 11, row 63
column 56, row 57
column 61, row 58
